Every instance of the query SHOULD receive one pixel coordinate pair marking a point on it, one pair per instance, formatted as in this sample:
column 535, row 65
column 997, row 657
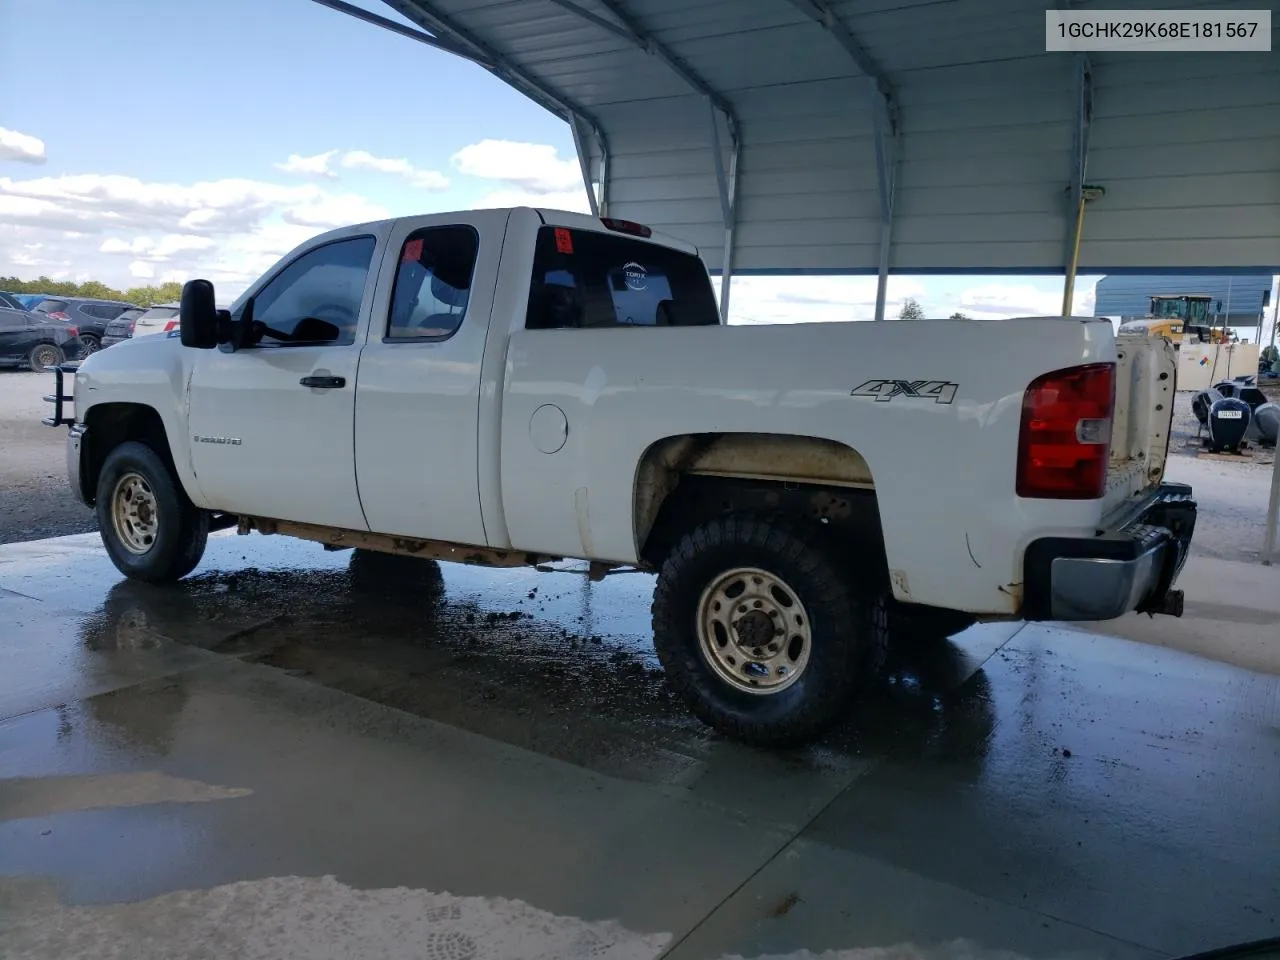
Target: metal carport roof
column 906, row 136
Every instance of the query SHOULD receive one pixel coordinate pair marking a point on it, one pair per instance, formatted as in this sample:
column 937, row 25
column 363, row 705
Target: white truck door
column 271, row 424
column 418, row 397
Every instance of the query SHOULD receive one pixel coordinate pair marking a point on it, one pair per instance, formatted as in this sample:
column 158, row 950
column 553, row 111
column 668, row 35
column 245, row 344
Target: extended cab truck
column 513, row 386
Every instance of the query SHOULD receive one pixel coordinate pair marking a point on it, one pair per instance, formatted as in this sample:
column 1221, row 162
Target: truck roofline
column 560, row 218
column 584, row 221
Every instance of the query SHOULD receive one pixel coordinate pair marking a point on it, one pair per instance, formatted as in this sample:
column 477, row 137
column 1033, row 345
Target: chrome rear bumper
column 1103, row 577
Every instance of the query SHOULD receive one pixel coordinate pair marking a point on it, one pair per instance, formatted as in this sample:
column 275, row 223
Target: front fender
column 152, row 372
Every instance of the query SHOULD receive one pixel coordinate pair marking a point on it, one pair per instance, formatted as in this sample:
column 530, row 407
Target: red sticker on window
column 412, row 251
column 564, row 240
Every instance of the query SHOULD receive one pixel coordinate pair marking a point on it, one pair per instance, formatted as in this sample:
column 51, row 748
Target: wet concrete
column 487, row 763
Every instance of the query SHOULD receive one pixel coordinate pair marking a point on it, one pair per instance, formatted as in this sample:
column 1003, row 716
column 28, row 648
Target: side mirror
column 198, row 315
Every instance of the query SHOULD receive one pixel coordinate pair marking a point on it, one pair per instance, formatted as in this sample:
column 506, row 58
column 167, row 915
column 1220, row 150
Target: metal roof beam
column 604, row 23
column 818, row 11
column 423, row 13
column 628, row 29
column 439, row 43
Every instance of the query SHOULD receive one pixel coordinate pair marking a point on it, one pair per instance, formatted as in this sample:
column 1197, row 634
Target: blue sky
column 165, row 145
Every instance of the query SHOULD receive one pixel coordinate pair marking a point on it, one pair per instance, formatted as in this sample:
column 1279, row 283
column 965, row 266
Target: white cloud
column 21, row 147
column 93, row 201
column 397, row 166
column 123, row 230
column 157, row 251
column 995, row 300
column 533, row 167
column 336, row 211
column 313, row 166
column 117, row 245
column 813, row 299
column 575, row 201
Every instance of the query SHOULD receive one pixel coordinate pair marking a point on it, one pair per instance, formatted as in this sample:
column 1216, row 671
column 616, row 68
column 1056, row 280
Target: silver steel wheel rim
column 134, row 514
column 46, row 356
column 753, row 631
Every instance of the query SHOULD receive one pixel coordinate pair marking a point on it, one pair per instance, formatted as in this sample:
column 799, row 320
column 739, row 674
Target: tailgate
column 1146, row 373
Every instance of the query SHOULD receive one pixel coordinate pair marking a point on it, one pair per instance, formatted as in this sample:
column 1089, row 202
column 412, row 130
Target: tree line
column 141, row 296
column 911, row 310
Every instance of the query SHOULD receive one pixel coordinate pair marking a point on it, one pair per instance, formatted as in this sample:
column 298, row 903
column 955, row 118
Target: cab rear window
column 582, row 278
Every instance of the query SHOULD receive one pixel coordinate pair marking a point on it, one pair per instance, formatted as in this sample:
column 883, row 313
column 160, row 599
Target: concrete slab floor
column 300, row 753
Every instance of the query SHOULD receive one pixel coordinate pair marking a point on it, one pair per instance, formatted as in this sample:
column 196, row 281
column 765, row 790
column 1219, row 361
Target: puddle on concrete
column 548, row 661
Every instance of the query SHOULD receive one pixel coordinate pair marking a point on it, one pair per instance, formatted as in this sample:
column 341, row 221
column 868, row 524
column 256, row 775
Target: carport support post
column 886, row 143
column 1079, row 164
column 1273, row 512
column 584, row 164
column 727, row 183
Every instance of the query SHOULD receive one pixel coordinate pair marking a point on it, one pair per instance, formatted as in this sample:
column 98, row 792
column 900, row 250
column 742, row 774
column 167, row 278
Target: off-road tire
column 848, row 623
column 45, row 356
column 182, row 527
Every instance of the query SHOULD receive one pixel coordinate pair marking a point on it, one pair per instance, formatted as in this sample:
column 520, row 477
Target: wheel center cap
column 754, row 629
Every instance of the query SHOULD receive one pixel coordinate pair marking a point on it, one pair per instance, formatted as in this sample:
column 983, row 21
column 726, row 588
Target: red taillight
column 1065, row 442
column 59, row 315
column 627, row 226
column 170, row 325
column 74, row 331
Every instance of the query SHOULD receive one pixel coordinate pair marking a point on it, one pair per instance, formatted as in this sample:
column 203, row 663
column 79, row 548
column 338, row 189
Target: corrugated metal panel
column 1241, row 296
column 1187, row 146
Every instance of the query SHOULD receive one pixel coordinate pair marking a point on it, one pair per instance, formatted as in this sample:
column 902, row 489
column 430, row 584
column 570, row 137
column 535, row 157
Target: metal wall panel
column 1187, row 147
column 1118, row 296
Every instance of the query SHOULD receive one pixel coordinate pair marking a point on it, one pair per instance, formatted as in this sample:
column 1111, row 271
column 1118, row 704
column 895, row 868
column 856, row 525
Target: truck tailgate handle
column 323, row 383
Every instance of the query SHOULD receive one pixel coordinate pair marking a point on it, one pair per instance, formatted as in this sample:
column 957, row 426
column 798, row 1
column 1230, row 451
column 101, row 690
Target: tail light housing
column 171, row 325
column 58, row 315
column 74, row 331
column 1064, row 445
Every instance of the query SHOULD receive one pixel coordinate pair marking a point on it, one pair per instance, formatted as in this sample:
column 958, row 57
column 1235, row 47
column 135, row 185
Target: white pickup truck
column 508, row 387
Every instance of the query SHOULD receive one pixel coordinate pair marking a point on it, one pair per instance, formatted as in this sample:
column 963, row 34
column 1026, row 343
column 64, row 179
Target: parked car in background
column 33, row 340
column 26, row 301
column 90, row 317
column 137, row 322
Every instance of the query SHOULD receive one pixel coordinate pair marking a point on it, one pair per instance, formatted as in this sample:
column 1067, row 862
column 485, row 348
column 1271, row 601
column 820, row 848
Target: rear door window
column 51, row 306
column 433, row 283
column 586, row 279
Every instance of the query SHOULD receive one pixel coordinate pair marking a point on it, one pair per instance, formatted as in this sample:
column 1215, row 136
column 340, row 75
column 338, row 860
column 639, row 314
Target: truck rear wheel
column 152, row 532
column 761, row 630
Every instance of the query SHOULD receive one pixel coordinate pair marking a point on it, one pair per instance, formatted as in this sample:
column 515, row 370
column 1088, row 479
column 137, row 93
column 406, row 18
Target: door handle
column 323, row 383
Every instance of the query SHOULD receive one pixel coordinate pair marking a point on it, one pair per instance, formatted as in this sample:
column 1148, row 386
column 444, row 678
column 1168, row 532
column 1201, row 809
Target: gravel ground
column 35, row 500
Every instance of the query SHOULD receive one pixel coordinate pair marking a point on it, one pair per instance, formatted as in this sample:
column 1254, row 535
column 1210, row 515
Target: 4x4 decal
column 939, row 391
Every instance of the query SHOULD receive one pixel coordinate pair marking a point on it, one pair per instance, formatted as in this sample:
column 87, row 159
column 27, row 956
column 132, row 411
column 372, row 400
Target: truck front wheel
column 760, row 630
column 151, row 530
